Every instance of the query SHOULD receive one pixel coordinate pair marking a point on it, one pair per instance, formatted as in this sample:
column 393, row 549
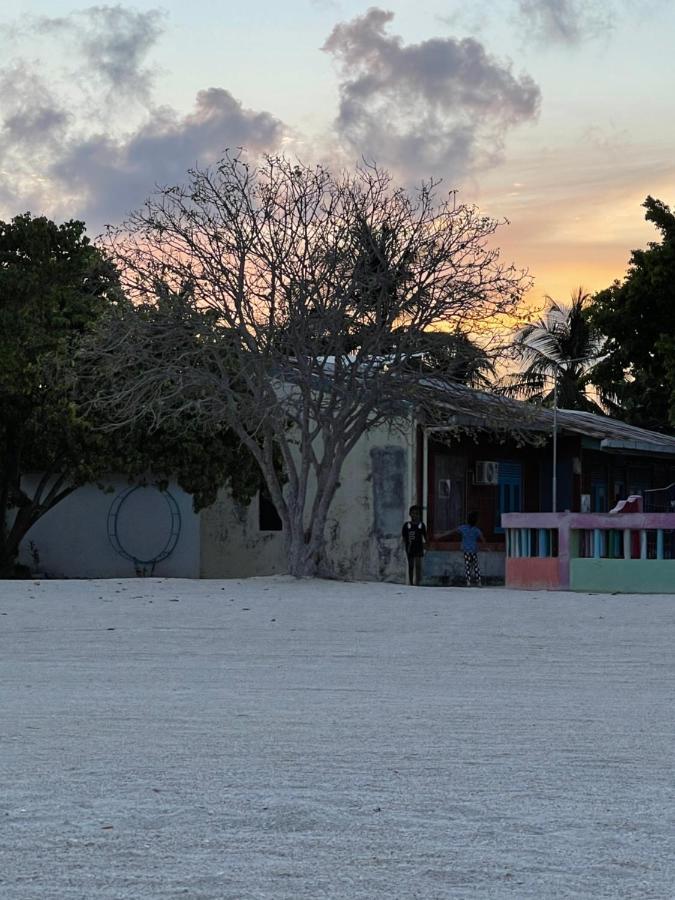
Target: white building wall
column 363, row 533
column 232, row 545
column 71, row 540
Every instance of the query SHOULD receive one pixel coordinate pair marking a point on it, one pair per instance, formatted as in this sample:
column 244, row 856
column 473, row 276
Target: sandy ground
column 279, row 739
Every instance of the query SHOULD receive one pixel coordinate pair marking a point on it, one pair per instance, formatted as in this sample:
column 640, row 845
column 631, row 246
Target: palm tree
column 557, row 353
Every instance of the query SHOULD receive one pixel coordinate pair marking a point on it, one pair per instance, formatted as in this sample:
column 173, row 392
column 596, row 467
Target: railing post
column 616, row 544
column 565, row 537
column 626, row 543
column 643, row 543
column 659, row 543
column 597, row 543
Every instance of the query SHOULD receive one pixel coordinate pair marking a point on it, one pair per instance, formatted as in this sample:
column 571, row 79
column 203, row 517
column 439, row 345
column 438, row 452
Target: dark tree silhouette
column 637, row 376
column 557, row 353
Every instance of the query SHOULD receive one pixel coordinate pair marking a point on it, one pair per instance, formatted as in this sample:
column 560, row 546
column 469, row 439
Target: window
column 508, row 490
column 268, row 517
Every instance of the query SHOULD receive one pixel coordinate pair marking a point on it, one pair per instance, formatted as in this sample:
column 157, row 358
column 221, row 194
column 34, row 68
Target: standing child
column 471, row 535
column 414, row 534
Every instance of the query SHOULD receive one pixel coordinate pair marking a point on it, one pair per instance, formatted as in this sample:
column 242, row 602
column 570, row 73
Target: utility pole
column 554, row 480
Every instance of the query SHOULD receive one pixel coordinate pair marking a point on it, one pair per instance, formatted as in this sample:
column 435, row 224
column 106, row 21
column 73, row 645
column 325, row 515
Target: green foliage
column 637, row 377
column 55, row 287
column 53, row 284
column 201, row 461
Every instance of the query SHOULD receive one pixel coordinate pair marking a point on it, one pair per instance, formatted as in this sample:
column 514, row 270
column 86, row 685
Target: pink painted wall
column 533, row 572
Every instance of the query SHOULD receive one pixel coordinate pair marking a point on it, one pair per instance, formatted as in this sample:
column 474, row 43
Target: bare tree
column 300, row 301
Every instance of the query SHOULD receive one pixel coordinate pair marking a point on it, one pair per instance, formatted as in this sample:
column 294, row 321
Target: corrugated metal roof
column 613, row 430
column 465, row 406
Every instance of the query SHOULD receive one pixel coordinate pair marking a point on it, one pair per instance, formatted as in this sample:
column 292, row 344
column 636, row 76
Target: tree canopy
column 557, row 356
column 325, row 290
column 637, row 376
column 54, row 286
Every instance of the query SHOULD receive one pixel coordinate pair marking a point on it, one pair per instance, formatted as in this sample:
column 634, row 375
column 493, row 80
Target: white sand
column 280, row 739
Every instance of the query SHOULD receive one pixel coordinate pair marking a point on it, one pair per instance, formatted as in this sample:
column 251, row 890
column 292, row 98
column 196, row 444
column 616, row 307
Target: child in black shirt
column 414, row 534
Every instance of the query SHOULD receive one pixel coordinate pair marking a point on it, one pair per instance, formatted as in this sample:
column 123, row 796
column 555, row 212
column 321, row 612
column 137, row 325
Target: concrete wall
column 364, row 523
column 72, row 541
column 232, row 546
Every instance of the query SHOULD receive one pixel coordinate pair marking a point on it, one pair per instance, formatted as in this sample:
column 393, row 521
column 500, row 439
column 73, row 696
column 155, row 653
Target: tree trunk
column 10, row 540
column 305, row 544
column 9, row 487
column 296, row 547
column 9, row 555
column 26, row 516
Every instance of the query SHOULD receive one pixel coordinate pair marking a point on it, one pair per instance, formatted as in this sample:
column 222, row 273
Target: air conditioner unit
column 486, row 472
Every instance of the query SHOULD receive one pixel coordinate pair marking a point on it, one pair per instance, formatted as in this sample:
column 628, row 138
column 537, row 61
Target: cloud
column 33, row 123
column 574, row 22
column 113, row 42
column 565, row 21
column 469, row 19
column 112, row 177
column 63, row 152
column 31, row 114
column 439, row 105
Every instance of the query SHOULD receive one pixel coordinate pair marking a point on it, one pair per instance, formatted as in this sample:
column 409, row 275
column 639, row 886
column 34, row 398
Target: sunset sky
column 556, row 114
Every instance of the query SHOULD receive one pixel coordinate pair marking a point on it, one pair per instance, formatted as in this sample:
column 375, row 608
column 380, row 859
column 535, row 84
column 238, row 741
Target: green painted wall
column 629, row 576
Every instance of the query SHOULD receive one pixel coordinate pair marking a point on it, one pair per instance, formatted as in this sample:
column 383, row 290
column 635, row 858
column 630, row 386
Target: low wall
column 631, row 576
column 624, row 552
column 533, row 573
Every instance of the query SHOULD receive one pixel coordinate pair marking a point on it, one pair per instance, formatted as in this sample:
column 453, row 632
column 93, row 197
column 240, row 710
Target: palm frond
column 560, row 348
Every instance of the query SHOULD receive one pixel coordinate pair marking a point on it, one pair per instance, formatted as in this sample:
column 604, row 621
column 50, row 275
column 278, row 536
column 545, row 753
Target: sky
column 556, row 115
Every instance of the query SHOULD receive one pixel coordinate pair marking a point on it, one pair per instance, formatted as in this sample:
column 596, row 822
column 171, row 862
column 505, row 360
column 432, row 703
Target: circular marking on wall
column 144, row 524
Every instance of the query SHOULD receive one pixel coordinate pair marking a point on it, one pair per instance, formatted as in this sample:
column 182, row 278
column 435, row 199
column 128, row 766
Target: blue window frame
column 509, row 490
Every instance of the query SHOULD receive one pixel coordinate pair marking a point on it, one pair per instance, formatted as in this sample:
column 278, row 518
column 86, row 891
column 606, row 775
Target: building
column 470, row 450
column 496, row 457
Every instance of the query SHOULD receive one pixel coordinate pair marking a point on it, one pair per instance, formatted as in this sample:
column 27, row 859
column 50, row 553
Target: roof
column 460, row 405
column 450, row 404
column 614, row 434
